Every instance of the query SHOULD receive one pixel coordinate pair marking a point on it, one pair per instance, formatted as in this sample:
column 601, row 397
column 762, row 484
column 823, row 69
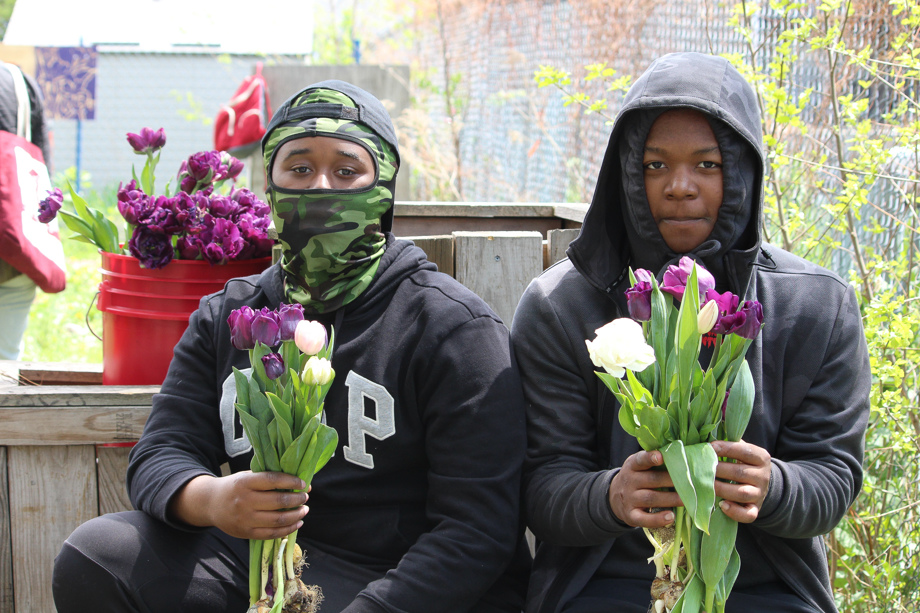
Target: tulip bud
column 274, row 365
column 289, row 315
column 707, row 317
column 318, row 371
column 310, row 336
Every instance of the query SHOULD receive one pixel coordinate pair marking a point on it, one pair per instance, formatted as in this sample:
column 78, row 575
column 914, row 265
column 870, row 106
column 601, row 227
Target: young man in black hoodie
column 683, row 176
column 418, row 508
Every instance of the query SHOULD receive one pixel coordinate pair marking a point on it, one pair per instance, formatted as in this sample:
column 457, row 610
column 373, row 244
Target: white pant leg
column 16, row 296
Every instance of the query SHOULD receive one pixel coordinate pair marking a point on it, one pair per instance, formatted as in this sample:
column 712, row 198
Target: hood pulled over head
column 332, row 239
column 619, row 231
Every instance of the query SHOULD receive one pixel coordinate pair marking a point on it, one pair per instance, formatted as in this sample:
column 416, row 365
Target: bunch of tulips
column 280, row 403
column 670, row 403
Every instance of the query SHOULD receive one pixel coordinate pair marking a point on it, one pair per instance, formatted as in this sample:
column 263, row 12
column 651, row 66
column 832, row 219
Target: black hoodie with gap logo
column 424, row 486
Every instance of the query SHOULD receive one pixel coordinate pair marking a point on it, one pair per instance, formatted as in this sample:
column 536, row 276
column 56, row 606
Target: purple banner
column 67, row 77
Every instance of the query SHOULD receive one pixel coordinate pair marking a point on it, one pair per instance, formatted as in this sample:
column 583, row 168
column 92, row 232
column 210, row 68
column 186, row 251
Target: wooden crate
column 63, row 452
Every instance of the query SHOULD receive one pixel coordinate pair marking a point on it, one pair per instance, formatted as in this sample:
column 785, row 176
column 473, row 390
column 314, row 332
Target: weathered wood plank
column 112, row 464
column 52, row 491
column 6, row 545
column 439, row 249
column 557, row 242
column 77, row 396
column 40, row 425
column 424, row 208
column 571, row 211
column 59, row 373
column 498, row 266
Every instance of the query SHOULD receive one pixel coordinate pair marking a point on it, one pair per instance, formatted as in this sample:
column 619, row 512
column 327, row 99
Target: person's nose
column 682, row 184
column 321, row 181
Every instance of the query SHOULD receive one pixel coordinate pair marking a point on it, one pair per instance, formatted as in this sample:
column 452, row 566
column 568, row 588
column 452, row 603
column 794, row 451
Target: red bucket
column 145, row 312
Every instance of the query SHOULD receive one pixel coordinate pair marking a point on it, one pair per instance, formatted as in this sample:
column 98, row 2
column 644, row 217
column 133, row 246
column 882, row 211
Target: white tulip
column 620, row 345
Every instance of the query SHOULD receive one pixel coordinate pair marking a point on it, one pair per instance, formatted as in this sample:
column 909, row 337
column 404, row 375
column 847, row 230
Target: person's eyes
column 709, row 164
column 301, row 169
column 654, row 165
column 347, row 172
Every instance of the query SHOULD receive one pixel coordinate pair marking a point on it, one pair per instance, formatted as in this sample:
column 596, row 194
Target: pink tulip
column 310, row 336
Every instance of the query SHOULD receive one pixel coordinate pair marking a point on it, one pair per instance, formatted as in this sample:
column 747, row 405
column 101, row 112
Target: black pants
column 130, row 562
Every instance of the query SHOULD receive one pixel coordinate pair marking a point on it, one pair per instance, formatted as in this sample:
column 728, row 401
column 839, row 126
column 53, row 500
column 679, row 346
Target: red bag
column 30, row 246
column 241, row 123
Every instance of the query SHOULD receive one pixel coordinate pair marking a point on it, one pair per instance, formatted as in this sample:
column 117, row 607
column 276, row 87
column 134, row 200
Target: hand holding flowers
column 675, row 409
column 280, row 404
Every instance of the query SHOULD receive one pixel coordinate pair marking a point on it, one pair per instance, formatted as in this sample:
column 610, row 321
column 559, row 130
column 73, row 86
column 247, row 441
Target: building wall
column 180, row 92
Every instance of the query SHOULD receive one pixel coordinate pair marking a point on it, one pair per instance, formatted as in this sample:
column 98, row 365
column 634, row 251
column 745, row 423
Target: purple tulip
column 48, row 208
column 221, row 206
column 153, row 249
column 750, row 327
column 200, row 169
column 189, row 247
column 639, row 301
column 221, row 240
column 148, row 141
column 745, row 321
column 642, row 274
column 132, row 201
column 265, row 327
column 274, row 365
column 727, row 305
column 240, row 322
column 675, row 278
column 230, row 166
column 289, row 315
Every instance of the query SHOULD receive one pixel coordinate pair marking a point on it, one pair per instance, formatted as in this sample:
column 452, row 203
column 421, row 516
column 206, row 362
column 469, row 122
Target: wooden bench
column 65, row 438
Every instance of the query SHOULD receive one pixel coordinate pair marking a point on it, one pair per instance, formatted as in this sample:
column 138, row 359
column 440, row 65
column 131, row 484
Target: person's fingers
column 645, row 518
column 644, row 460
column 741, row 513
column 274, row 481
column 739, row 493
column 743, row 452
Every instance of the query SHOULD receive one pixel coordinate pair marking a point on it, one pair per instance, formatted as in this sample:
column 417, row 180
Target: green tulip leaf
column 656, row 425
column 627, row 419
column 328, row 440
column 691, row 599
column 717, row 547
column 693, row 470
column 252, row 428
column 259, row 406
column 740, row 404
column 242, row 390
column 281, row 410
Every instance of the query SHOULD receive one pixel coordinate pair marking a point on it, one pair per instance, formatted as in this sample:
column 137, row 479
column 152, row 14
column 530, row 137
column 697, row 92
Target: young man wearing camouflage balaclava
column 417, row 511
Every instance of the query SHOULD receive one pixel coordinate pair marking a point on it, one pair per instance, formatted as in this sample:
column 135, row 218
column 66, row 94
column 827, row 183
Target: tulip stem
column 678, row 539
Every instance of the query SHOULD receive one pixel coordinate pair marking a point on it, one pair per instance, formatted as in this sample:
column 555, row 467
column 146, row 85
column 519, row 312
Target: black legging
column 130, row 562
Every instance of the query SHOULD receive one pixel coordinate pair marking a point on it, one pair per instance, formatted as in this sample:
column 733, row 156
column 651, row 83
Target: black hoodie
column 424, row 487
column 810, row 366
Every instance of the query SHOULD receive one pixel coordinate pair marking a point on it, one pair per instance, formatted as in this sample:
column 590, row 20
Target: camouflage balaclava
column 332, row 239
